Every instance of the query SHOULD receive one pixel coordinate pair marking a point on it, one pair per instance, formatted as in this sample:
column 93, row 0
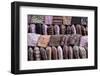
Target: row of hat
column 66, row 20
column 57, row 53
column 56, row 40
column 57, row 29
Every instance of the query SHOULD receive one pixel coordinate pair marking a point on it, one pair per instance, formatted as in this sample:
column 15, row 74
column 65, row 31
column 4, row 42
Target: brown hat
column 55, row 40
column 63, row 29
column 68, row 30
column 54, row 53
column 57, row 20
column 43, row 40
column 50, row 30
column 83, row 29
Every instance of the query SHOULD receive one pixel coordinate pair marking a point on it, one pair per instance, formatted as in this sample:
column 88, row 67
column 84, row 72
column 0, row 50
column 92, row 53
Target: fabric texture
column 43, row 54
column 78, row 29
column 65, row 52
column 37, row 19
column 55, row 40
column 36, row 53
column 67, row 42
column 38, row 28
column 76, row 52
column 32, row 39
column 86, row 49
column 44, row 29
column 29, row 19
column 73, row 29
column 50, row 30
column 82, row 52
column 68, row 30
column 60, row 52
column 83, row 29
column 54, row 53
column 32, row 28
column 76, row 20
column 62, row 41
column 57, row 20
column 29, row 29
column 49, row 53
column 67, row 20
column 48, row 19
column 84, row 41
column 74, row 40
column 86, row 30
column 84, row 20
column 30, row 54
column 43, row 40
column 70, row 52
column 56, row 30
column 57, row 37
column 62, row 29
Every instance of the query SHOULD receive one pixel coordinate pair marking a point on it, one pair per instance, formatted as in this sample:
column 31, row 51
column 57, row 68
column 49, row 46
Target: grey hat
column 32, row 39
column 83, row 29
column 56, row 29
column 32, row 28
column 67, row 40
column 76, row 52
column 49, row 53
column 30, row 54
column 54, row 53
column 73, row 29
column 74, row 39
column 63, row 29
column 44, row 28
column 60, row 52
column 68, row 30
column 62, row 41
column 43, row 54
column 65, row 52
column 82, row 52
column 78, row 29
column 36, row 53
column 84, row 41
column 70, row 52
